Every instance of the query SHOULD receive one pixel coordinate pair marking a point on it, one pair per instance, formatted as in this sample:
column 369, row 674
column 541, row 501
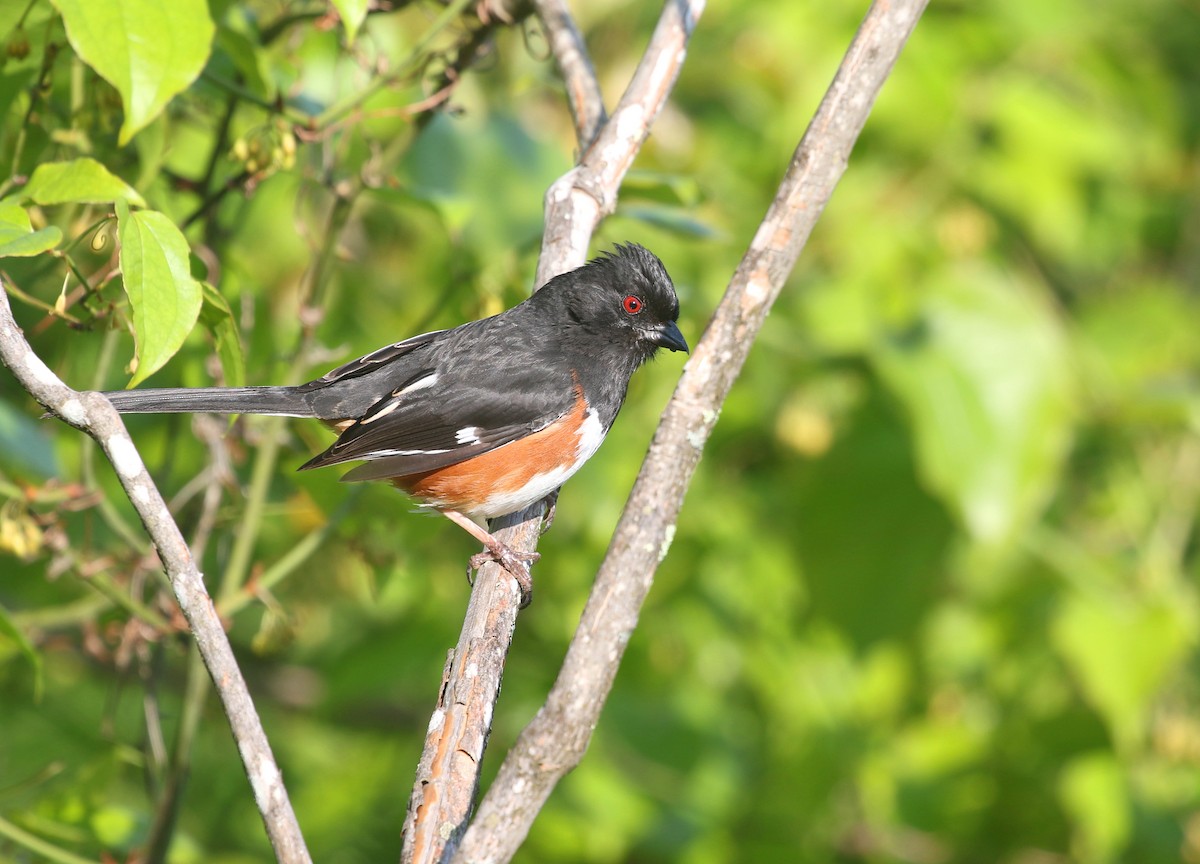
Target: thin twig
column 92, row 413
column 336, row 113
column 39, row 88
column 448, row 774
column 266, row 458
column 170, row 793
column 292, row 560
column 466, row 53
column 44, row 849
column 556, row 739
column 579, row 75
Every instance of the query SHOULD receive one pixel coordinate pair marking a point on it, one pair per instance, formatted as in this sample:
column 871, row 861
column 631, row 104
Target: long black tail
column 288, row 401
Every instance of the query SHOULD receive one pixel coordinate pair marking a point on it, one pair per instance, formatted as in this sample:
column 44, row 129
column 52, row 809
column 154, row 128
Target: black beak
column 668, row 336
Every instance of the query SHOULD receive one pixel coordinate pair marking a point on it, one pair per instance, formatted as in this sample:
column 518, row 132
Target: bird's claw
column 516, row 562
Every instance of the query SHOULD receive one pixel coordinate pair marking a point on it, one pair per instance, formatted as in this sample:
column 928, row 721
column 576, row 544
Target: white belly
column 591, row 434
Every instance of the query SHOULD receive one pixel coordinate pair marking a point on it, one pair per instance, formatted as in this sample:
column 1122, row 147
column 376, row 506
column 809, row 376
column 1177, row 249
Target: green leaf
column 662, row 186
column 148, row 50
column 83, row 181
column 352, row 13
column 162, row 293
column 451, row 160
column 217, row 318
column 672, row 219
column 984, row 376
column 249, row 59
column 17, row 237
column 1093, row 791
column 1122, row 649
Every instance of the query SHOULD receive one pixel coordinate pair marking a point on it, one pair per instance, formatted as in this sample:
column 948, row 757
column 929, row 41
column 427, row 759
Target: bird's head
column 626, row 297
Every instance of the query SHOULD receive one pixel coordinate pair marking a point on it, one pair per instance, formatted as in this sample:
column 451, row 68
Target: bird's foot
column 516, row 561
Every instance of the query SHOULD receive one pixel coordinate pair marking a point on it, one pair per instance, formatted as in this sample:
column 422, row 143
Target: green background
column 933, row 594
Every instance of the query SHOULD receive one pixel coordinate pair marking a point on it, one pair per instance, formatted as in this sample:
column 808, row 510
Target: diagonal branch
column 557, row 737
column 91, row 413
column 447, row 778
column 577, row 201
column 448, row 774
column 575, row 66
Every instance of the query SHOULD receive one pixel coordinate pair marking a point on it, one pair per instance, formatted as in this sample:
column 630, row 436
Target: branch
column 556, row 739
column 575, row 66
column 577, row 201
column 447, row 778
column 448, row 774
column 92, row 413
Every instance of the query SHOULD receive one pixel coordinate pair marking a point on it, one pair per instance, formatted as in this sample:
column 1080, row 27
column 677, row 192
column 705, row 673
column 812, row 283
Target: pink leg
column 512, row 560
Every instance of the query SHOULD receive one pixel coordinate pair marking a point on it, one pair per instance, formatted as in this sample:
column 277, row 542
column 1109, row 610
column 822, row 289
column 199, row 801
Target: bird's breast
column 515, row 475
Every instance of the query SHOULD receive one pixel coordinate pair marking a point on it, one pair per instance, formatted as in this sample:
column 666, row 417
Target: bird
column 486, row 418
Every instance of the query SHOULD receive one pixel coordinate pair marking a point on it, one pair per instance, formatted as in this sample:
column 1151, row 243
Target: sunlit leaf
column 164, row 297
column 83, row 181
column 17, row 237
column 984, row 375
column 352, row 13
column 1121, row 648
column 1093, row 791
column 217, row 318
column 114, row 824
column 148, row 50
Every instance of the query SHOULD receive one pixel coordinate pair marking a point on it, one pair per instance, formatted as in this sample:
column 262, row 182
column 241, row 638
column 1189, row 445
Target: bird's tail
column 286, row 401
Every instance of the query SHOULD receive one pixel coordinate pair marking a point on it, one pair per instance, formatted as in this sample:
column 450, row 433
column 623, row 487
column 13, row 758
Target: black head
column 623, row 297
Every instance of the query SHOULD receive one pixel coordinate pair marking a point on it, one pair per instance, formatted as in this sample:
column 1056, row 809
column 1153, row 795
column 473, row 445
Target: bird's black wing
column 449, row 413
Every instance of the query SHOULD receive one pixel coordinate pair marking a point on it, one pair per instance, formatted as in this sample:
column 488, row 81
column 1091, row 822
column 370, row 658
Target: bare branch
column 448, row 773
column 444, row 789
column 556, row 739
column 577, row 201
column 92, row 413
column 575, row 66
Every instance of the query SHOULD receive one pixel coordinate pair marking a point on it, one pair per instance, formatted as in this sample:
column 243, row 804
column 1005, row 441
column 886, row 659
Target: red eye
column 632, row 304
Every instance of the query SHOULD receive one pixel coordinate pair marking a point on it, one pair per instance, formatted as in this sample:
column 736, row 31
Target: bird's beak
column 668, row 336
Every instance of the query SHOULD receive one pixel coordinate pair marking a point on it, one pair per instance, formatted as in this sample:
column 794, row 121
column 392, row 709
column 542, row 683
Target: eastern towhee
column 486, row 418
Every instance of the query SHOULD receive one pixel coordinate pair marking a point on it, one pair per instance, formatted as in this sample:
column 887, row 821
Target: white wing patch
column 420, row 384
column 467, row 435
column 387, row 409
column 380, row 454
column 396, row 400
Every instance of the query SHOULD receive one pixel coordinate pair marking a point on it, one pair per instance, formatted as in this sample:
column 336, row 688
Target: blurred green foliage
column 933, row 596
